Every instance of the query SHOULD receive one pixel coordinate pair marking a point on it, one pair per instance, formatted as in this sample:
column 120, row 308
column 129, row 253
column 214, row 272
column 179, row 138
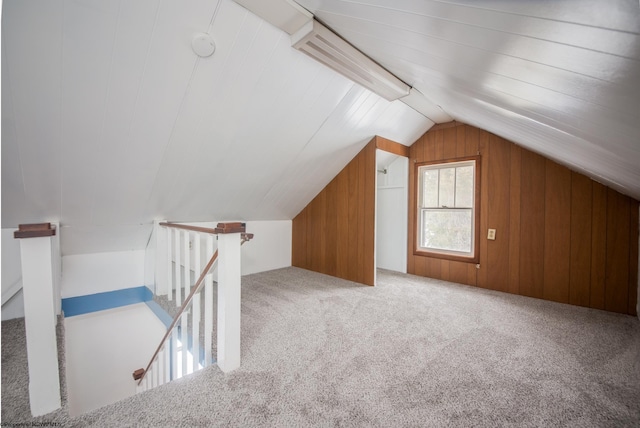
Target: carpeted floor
column 319, row 351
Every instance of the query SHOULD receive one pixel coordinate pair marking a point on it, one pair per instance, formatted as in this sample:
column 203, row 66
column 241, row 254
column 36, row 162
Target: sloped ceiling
column 109, row 119
column 559, row 77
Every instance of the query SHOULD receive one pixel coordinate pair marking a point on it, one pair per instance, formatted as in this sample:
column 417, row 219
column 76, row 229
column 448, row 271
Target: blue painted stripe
column 101, row 301
column 160, row 313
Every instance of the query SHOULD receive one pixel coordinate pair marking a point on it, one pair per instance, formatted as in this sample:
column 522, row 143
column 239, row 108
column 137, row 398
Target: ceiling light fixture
column 322, row 44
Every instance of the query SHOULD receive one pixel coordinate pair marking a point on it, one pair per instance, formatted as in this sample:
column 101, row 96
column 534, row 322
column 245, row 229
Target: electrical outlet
column 491, row 235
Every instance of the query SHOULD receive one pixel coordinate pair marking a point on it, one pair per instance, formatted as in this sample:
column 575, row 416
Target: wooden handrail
column 233, row 227
column 191, row 228
column 140, row 374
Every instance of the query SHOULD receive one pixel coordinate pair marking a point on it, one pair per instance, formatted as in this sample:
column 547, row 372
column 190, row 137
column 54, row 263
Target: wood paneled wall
column 559, row 235
column 335, row 233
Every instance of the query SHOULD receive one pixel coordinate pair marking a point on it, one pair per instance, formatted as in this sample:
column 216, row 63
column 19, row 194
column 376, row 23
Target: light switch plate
column 491, row 235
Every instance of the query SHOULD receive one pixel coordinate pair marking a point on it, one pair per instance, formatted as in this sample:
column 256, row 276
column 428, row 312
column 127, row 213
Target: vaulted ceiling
column 559, row 77
column 110, row 120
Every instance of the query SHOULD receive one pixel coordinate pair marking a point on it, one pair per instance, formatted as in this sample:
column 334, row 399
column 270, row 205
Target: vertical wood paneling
column 334, row 233
column 580, row 258
column 557, row 232
column 552, row 226
column 318, row 218
column 342, row 218
column 331, row 234
column 369, row 214
column 598, row 245
column 299, row 242
column 361, row 218
column 449, row 143
column 430, row 148
column 445, row 271
column 483, row 146
column 633, row 259
column 498, row 214
column 353, row 167
column 411, row 260
column 514, row 219
column 461, row 142
column 472, row 139
column 438, row 143
column 560, row 235
column 617, row 264
column 433, row 267
column 458, row 272
column 532, row 211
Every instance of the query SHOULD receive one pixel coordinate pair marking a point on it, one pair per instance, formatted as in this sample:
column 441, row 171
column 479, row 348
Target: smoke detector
column 203, row 45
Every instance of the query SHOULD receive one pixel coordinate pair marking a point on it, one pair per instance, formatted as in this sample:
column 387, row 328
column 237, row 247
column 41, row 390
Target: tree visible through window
column 447, row 209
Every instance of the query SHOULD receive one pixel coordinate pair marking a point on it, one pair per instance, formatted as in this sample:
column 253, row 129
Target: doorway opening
column 392, row 201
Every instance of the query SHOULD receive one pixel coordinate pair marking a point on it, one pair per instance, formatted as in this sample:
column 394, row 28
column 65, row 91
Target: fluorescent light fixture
column 322, row 44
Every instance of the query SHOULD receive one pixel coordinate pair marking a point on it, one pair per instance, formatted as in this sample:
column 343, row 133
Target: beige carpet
column 318, row 351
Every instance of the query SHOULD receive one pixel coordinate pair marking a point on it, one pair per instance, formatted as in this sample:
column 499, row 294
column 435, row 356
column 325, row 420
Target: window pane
column 448, row 230
column 430, row 183
column 464, row 187
column 447, row 185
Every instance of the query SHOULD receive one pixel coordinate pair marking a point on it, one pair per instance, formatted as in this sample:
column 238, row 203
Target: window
column 448, row 209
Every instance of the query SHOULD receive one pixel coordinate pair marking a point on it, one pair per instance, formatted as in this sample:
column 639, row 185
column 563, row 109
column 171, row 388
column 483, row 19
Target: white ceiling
column 559, row 77
column 109, row 120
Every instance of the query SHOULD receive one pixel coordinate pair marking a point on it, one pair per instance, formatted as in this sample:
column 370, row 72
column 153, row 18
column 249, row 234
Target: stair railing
column 164, row 365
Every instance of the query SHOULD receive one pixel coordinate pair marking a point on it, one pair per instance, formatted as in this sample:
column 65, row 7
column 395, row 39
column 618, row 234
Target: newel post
column 40, row 315
column 229, row 237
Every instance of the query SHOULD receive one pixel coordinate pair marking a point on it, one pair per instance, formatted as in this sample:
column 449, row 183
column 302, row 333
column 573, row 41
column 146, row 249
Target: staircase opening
column 187, row 343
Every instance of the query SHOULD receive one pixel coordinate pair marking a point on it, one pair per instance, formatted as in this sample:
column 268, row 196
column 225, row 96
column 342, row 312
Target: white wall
column 116, row 342
column 84, row 274
column 269, row 249
column 391, row 216
column 11, row 275
column 150, row 260
column 56, row 255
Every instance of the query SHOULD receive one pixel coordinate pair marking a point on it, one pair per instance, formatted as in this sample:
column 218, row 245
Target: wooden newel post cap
column 234, row 227
column 137, row 375
column 34, row 230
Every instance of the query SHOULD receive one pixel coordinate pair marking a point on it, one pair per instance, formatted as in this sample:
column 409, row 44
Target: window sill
column 451, row 257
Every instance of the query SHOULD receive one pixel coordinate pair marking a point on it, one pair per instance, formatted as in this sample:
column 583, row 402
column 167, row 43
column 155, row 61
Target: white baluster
column 167, row 362
column 160, row 366
column 187, row 263
column 208, row 305
column 174, row 355
column 178, row 266
column 154, row 378
column 184, row 337
column 169, row 266
column 195, row 307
